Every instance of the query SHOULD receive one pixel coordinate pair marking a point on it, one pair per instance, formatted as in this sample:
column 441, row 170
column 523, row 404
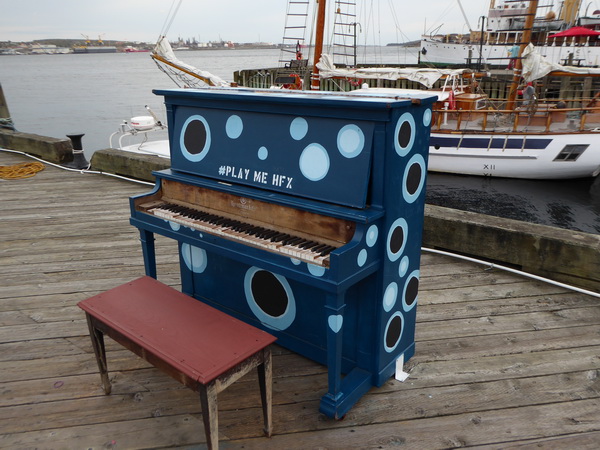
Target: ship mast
column 314, row 84
column 518, row 69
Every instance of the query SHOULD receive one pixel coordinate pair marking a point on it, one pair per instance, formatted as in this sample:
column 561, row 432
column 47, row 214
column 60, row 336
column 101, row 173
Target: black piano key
column 327, row 250
column 318, row 248
column 292, row 241
column 309, row 244
column 280, row 237
column 267, row 234
column 254, row 230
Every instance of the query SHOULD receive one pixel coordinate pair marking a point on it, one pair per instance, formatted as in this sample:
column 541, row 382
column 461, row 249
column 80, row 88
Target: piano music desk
column 199, row 346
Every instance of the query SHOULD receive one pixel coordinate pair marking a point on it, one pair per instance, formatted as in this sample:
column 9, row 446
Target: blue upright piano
column 300, row 213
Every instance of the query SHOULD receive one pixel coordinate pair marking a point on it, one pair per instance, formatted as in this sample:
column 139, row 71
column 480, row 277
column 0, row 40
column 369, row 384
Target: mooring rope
column 21, row 170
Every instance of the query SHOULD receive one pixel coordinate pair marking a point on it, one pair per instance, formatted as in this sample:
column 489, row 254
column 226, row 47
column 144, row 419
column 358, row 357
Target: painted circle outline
column 416, row 159
column 385, row 346
column 406, row 117
column 202, row 154
column 414, row 274
column 400, row 222
column 275, row 323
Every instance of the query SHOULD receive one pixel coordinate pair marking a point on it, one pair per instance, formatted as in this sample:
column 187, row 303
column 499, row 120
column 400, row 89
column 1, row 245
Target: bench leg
column 210, row 411
column 265, row 379
column 99, row 350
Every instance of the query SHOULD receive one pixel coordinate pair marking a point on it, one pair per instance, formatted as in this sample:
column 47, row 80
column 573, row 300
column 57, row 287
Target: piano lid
column 316, row 145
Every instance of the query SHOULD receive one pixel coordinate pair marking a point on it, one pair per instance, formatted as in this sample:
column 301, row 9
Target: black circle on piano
column 194, row 137
column 270, row 296
column 393, row 331
column 412, row 290
column 410, row 293
column 404, row 134
column 397, row 240
column 413, row 180
column 397, row 237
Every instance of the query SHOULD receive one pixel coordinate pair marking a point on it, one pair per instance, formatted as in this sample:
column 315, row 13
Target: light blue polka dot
column 295, row 261
column 372, row 234
column 263, row 153
column 298, row 128
column 174, row 225
column 390, row 296
column 362, row 258
column 350, row 141
column 317, row 271
column 403, row 266
column 427, row 117
column 314, row 162
column 195, row 258
column 234, row 127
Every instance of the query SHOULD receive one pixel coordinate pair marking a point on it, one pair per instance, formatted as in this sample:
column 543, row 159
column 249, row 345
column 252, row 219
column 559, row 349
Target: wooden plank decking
column 501, row 361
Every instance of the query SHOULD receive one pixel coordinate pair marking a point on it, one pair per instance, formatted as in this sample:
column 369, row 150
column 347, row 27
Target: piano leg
column 147, row 240
column 343, row 393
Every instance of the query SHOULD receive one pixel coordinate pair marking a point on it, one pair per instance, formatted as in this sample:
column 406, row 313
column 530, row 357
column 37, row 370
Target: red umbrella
column 576, row 31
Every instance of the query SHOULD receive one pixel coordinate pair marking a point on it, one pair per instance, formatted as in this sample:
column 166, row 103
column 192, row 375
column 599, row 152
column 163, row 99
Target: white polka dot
column 350, row 141
column 314, row 162
column 372, row 234
column 298, row 128
column 195, row 258
column 427, row 117
column 390, row 296
column 403, row 266
column 362, row 258
column 263, row 153
column 317, row 271
column 234, row 127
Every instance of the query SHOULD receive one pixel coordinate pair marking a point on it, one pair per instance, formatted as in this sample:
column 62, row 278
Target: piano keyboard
column 275, row 241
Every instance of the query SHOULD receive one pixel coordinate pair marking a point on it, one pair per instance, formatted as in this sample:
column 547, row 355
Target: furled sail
column 535, row 66
column 426, row 77
column 188, row 75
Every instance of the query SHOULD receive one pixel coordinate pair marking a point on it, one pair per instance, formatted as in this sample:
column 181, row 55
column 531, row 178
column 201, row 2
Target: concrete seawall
column 567, row 256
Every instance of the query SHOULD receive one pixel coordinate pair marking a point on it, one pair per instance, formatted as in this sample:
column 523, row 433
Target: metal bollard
column 79, row 162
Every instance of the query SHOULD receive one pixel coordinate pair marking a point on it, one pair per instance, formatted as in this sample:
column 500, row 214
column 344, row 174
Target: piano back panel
column 378, row 324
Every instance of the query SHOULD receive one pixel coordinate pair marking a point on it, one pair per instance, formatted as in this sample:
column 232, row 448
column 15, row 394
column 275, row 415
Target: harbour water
column 56, row 95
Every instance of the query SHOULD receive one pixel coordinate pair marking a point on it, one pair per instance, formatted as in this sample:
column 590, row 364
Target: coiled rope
column 22, row 170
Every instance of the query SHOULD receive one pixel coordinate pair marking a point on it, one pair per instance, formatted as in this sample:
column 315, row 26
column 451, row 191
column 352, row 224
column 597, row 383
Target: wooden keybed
column 280, row 229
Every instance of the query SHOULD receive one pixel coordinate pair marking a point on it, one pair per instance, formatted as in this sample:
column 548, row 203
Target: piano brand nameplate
column 313, row 146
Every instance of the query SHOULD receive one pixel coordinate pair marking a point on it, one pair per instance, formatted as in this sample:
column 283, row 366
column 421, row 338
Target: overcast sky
column 230, row 20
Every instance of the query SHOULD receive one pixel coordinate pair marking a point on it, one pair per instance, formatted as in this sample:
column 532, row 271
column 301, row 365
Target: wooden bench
column 201, row 347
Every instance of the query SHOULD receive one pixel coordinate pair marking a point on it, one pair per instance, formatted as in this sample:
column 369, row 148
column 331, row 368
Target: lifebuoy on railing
column 297, row 84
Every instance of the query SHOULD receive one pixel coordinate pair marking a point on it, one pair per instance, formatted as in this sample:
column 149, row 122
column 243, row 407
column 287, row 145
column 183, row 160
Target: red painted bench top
column 169, row 324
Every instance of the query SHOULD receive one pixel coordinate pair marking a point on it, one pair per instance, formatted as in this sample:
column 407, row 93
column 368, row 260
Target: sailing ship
column 533, row 136
column 558, row 32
